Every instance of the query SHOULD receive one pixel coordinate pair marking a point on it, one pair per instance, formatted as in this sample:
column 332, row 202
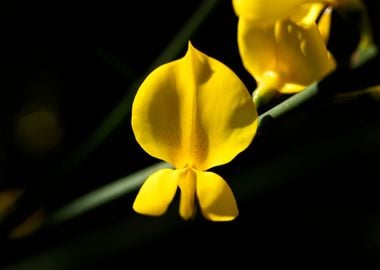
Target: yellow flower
column 193, row 113
column 282, row 46
column 286, row 56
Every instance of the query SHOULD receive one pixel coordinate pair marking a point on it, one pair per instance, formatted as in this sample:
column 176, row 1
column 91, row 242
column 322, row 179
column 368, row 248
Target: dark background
column 307, row 187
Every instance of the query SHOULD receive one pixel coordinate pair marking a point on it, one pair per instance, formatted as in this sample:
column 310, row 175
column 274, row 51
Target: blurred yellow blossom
column 281, row 44
column 193, row 113
column 286, row 56
column 8, row 199
column 31, row 224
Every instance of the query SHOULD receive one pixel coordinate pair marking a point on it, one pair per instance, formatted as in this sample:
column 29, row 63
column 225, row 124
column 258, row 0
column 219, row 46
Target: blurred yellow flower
column 286, row 56
column 8, row 199
column 281, row 45
column 193, row 113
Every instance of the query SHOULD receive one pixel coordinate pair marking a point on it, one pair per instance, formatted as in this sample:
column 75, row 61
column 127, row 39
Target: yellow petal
column 265, row 12
column 296, row 54
column 305, row 50
column 307, row 13
column 187, row 184
column 324, row 23
column 215, row 197
column 193, row 112
column 258, row 49
column 157, row 192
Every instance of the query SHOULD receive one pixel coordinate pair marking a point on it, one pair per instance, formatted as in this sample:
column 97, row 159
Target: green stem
column 105, row 194
column 290, row 103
